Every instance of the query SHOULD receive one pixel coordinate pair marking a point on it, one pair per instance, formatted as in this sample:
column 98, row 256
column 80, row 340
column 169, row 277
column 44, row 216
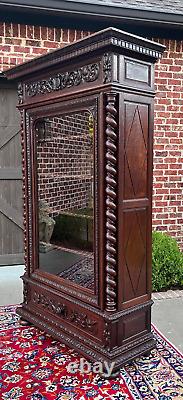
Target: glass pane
column 65, row 164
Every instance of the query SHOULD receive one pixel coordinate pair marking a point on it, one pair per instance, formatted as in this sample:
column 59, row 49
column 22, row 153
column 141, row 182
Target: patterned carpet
column 33, row 366
column 81, row 273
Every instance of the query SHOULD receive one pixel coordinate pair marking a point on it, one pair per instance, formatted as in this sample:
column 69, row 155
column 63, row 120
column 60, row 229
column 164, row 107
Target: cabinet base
column 93, row 352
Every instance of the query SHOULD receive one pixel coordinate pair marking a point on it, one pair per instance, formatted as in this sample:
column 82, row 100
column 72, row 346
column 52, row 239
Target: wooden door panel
column 11, row 220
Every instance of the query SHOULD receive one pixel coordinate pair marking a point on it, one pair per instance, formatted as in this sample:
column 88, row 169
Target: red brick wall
column 19, row 43
column 168, row 142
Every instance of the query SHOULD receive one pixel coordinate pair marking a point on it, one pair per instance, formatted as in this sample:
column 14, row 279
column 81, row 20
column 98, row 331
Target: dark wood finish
column 114, row 71
column 11, row 221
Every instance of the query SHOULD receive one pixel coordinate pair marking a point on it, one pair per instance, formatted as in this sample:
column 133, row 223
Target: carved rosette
column 111, row 200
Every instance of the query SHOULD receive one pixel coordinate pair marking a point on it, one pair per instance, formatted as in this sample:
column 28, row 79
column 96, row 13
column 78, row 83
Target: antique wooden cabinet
column 87, row 133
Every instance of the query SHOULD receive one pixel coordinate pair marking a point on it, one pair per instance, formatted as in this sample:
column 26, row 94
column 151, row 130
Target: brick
column 58, row 34
column 175, row 68
column 15, row 28
column 39, row 51
column 13, row 41
column 8, row 30
column 161, row 216
column 13, row 61
column 167, row 61
column 72, row 35
column 173, row 95
column 23, row 32
column 161, row 153
column 21, row 49
column 2, row 29
column 51, row 34
column 65, row 35
column 175, row 81
column 44, row 33
column 162, row 203
column 30, row 32
column 51, row 45
column 156, row 222
column 79, row 34
column 33, row 43
column 165, row 74
column 37, row 32
column 5, row 48
column 178, row 62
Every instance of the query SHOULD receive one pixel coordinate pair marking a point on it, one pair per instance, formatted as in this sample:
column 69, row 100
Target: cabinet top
column 110, row 39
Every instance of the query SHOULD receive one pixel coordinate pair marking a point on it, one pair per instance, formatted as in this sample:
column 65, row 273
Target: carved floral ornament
column 86, row 74
column 78, row 318
column 107, row 67
column 20, row 93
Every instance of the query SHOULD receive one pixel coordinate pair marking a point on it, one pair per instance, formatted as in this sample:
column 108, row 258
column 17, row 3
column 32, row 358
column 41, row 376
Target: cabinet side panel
column 134, row 222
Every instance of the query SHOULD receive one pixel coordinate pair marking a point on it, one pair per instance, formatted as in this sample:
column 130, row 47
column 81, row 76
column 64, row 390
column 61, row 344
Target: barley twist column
column 111, row 197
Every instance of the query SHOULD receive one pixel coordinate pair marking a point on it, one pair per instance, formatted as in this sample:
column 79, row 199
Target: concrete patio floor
column 167, row 311
column 11, row 287
column 167, row 316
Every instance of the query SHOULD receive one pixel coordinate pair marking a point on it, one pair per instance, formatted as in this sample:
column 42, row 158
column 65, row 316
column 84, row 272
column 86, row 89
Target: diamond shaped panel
column 135, row 253
column 136, row 132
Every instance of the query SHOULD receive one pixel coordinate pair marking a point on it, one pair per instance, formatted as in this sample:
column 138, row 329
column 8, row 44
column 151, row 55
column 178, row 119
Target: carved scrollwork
column 25, row 293
column 78, row 318
column 82, row 320
column 107, row 67
column 107, row 336
column 88, row 73
column 111, row 186
column 20, row 93
column 56, row 308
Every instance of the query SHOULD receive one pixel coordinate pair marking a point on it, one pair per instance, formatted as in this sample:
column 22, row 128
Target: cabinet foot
column 112, row 375
column 23, row 322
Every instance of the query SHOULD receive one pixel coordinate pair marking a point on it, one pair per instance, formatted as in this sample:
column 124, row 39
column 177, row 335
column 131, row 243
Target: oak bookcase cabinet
column 87, row 132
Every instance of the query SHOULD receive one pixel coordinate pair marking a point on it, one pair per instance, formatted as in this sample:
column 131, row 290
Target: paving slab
column 167, row 316
column 11, row 286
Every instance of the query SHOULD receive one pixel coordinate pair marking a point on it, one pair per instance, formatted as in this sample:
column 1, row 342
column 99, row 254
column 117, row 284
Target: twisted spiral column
column 111, row 206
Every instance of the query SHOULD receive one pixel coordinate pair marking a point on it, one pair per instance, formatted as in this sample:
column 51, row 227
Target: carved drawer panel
column 62, row 309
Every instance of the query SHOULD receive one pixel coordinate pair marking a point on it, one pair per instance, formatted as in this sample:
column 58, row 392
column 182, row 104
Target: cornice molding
column 109, row 39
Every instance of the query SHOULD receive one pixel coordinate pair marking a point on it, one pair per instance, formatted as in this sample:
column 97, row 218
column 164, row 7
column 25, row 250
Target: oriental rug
column 34, row 366
column 81, row 273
